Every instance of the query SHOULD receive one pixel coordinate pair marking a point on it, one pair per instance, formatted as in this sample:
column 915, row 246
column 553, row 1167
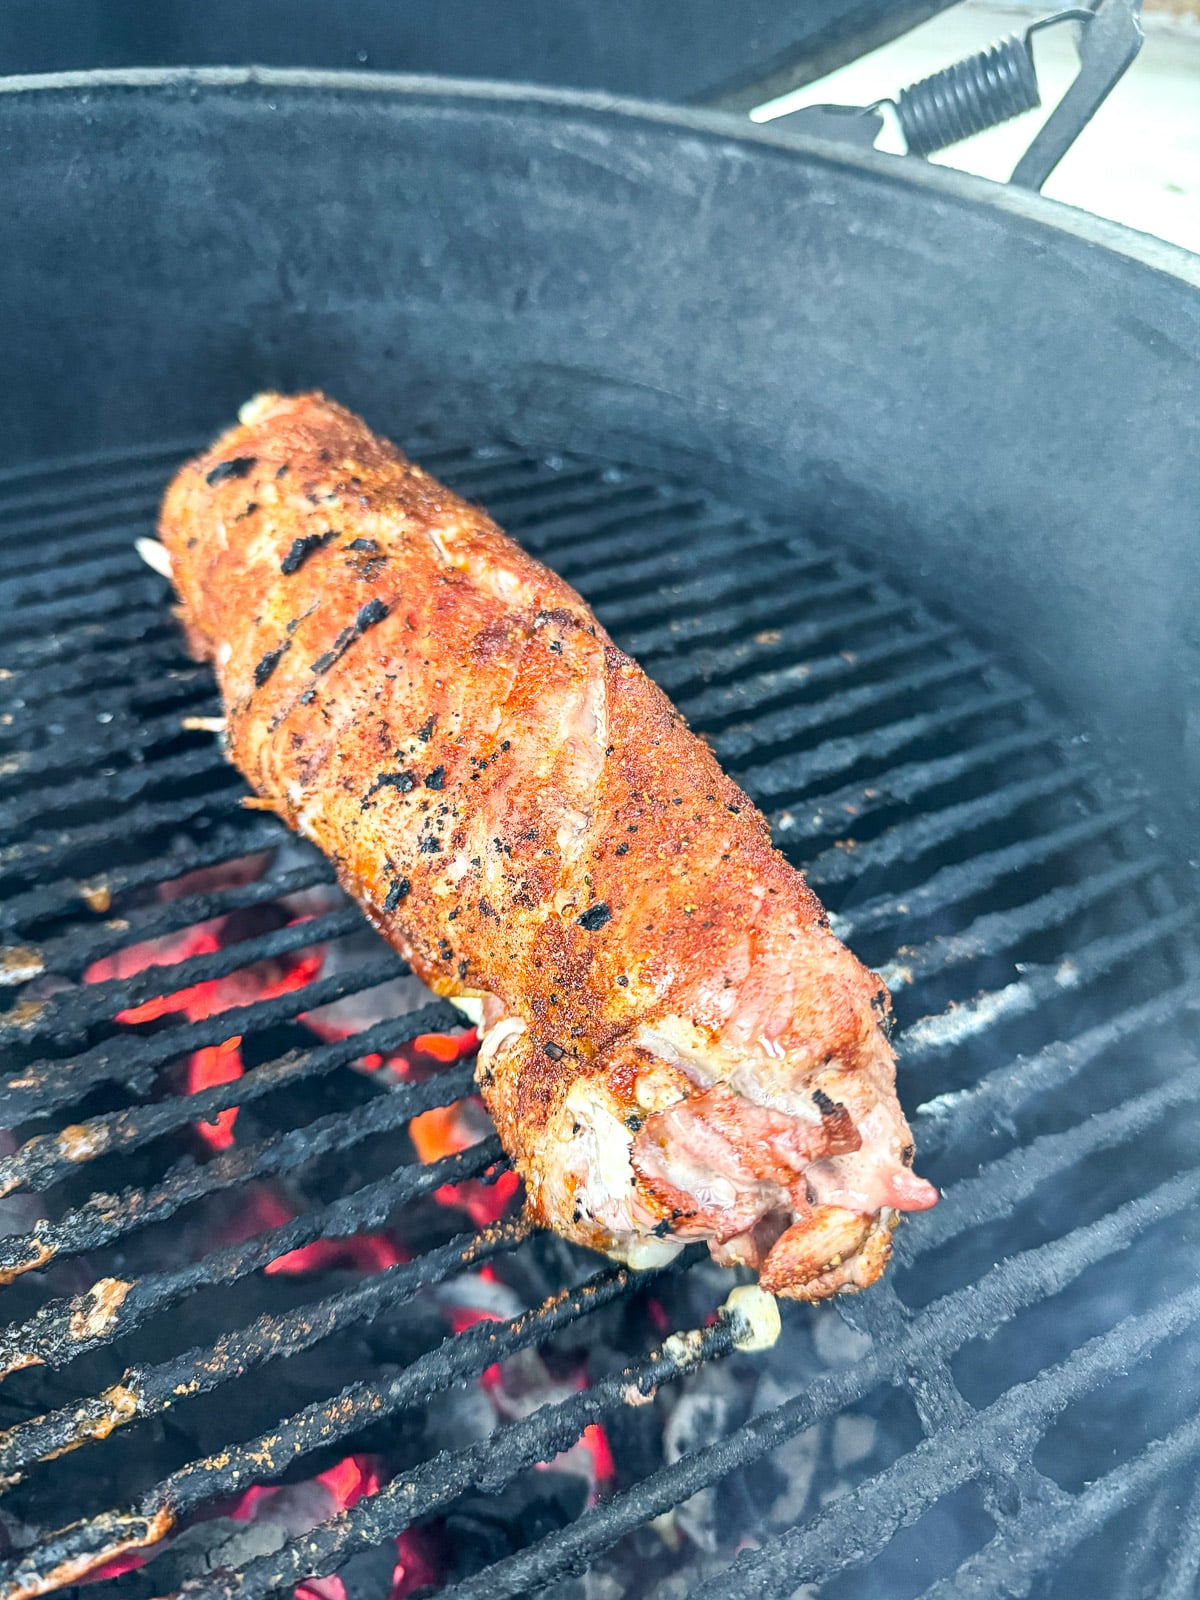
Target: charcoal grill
column 1014, row 1409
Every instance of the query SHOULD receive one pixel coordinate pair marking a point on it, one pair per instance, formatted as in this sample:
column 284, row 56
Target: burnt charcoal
column 742, row 1497
column 546, row 1266
column 462, row 1416
column 368, row 1575
column 141, row 1454
column 683, row 1577
column 397, row 1336
column 428, row 1223
column 203, row 1548
column 135, row 1457
column 398, row 1440
column 713, row 1403
column 797, row 1460
column 682, row 1297
column 836, row 1342
column 481, row 1528
column 477, row 1292
column 318, row 1096
column 363, row 1009
column 227, row 1543
column 595, row 1584
column 34, row 1390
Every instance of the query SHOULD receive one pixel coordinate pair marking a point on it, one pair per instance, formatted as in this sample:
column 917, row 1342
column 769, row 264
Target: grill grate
column 1039, row 946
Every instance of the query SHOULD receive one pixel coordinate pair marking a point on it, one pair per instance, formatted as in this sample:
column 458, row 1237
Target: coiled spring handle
column 995, row 85
column 980, row 92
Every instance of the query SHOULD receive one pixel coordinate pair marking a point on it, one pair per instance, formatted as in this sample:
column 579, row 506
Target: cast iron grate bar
column 726, row 618
column 59, row 684
column 826, row 814
column 99, row 641
column 966, row 1113
column 715, row 707
column 935, row 794
column 1001, row 1186
column 1012, row 1561
column 1183, row 1567
column 132, row 1060
column 76, row 949
column 862, row 702
column 100, row 1222
column 966, row 879
column 943, row 1327
column 616, row 545
column 100, row 1001
column 60, row 850
column 148, row 1391
column 792, row 774
column 522, row 1445
column 119, row 739
column 47, row 1159
column 248, row 835
column 1001, row 930
column 916, row 836
column 95, row 739
column 934, row 1035
column 61, row 1331
column 465, row 1353
column 120, row 787
column 862, row 1522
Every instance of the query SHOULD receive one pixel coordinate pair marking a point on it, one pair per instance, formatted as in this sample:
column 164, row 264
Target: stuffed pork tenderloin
column 674, row 1046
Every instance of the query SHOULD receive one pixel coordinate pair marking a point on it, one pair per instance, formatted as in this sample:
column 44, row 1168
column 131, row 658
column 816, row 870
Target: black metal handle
column 1109, row 40
column 997, row 84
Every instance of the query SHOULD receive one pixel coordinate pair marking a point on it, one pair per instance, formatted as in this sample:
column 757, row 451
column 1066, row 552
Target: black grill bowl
column 889, row 479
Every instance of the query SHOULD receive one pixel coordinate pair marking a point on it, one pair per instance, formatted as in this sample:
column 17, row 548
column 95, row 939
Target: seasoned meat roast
column 674, row 1046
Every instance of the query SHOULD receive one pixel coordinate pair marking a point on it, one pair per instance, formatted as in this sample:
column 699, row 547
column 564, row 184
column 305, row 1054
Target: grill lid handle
column 995, row 85
column 1108, row 41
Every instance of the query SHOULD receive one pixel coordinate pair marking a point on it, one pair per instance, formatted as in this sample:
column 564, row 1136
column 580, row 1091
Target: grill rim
column 1019, row 205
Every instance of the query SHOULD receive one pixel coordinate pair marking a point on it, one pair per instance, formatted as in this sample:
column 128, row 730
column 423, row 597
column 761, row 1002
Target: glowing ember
column 214, row 1064
column 515, row 1388
column 321, row 1589
column 130, row 1562
column 345, row 1484
column 440, row 1132
column 265, row 1208
column 445, row 1131
column 414, row 1568
column 461, row 1318
column 446, row 1047
column 297, row 1508
column 524, row 1383
column 365, row 1252
column 590, row 1456
column 220, row 1063
column 224, row 875
column 658, row 1316
column 414, row 1062
column 595, row 1441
